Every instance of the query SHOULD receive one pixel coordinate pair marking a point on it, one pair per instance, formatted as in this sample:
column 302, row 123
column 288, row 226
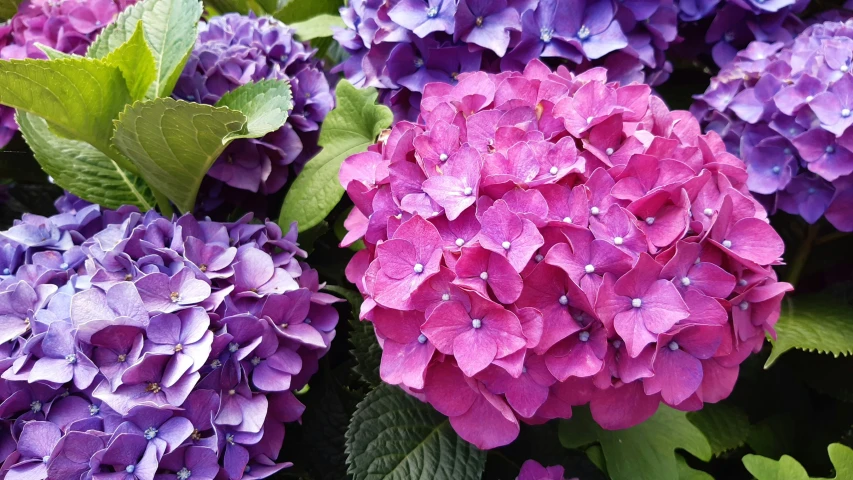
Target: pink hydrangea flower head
column 533, row 470
column 547, row 240
column 785, row 108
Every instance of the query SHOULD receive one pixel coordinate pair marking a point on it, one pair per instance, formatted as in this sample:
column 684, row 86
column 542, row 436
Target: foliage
column 786, row 468
column 350, row 128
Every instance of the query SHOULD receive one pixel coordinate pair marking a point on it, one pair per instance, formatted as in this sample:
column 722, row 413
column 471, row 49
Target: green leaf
column 317, row 27
column 170, row 28
column 8, row 8
column 786, row 468
column 643, row 452
column 226, row 6
column 725, row 426
column 294, row 11
column 78, row 97
column 815, row 324
column 394, row 436
column 264, row 103
column 686, row 472
column 52, row 53
column 173, row 143
column 136, row 63
column 83, row 170
column 270, row 6
column 348, row 129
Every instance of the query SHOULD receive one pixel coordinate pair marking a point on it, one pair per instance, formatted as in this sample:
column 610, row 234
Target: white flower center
column 538, row 258
column 476, row 323
column 419, row 268
column 609, row 151
column 594, row 211
column 460, row 242
column 650, row 221
column 553, row 170
column 484, row 276
column 685, row 281
column 468, row 191
column 567, row 220
column 422, row 338
column 564, row 300
column 583, row 336
column 432, row 12
column 776, row 169
column 742, row 282
column 727, row 243
column 443, row 157
column 618, row 240
column 150, row 433
column 708, row 212
column 589, row 268
column 743, row 305
column 506, row 245
column 583, row 32
column 673, row 346
column 636, row 303
column 183, row 474
column 545, row 34
column 809, row 98
column 445, row 296
column 845, row 112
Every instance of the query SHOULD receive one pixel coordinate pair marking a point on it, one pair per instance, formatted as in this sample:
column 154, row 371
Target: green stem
column 802, row 256
column 162, row 202
column 831, row 237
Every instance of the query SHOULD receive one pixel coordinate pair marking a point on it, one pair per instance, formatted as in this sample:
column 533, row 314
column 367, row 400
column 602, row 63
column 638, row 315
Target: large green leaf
column 725, row 426
column 348, row 129
column 170, row 30
column 643, row 452
column 317, row 27
column 394, row 436
column 83, row 170
column 686, row 472
column 78, row 97
column 174, row 143
column 136, row 63
column 226, row 6
column 816, row 324
column 786, row 468
column 298, row 10
column 265, row 104
column 8, row 8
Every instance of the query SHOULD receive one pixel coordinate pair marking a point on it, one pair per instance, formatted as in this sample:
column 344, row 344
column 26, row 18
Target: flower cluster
column 542, row 240
column 136, row 346
column 786, row 111
column 532, row 470
column 66, row 25
column 401, row 45
column 233, row 50
column 724, row 27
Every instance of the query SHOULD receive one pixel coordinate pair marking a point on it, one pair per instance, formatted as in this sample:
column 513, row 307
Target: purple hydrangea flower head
column 786, row 110
column 718, row 29
column 402, row 45
column 541, row 239
column 136, row 347
column 69, row 26
column 232, row 50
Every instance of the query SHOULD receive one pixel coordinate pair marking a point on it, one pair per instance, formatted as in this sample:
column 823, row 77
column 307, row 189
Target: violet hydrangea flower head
column 541, row 240
column 401, row 45
column 720, row 28
column 232, row 50
column 174, row 345
column 786, row 110
column 69, row 26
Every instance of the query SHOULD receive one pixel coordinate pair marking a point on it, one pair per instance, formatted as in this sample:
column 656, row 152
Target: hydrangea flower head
column 402, row 45
column 232, row 50
column 138, row 347
column 69, row 26
column 542, row 240
column 720, row 29
column 786, row 110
